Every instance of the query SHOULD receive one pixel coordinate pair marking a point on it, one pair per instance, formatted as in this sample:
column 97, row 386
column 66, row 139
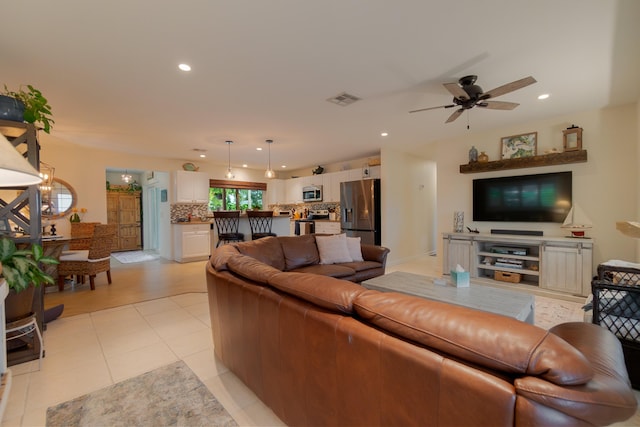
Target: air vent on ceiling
column 344, row 99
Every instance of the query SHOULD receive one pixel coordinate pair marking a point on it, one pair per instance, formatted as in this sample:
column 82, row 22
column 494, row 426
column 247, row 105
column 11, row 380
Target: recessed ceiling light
column 384, row 134
column 543, row 96
column 259, row 149
column 283, row 166
column 203, row 156
column 244, row 165
column 184, row 67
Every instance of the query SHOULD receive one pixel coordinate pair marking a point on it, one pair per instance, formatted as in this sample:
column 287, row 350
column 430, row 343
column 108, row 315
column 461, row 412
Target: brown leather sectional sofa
column 324, row 351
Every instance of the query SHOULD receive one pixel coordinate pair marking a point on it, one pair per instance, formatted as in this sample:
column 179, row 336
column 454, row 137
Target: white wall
column 605, row 187
column 408, row 205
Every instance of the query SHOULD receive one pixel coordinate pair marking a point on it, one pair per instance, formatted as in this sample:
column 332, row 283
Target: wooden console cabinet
column 557, row 264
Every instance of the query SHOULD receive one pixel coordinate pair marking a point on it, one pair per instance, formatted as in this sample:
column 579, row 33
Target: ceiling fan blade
column 456, row 90
column 433, row 108
column 455, row 115
column 509, row 87
column 497, row 105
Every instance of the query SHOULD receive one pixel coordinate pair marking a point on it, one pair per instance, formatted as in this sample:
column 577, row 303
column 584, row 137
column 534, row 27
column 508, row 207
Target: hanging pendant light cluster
column 126, row 177
column 229, row 174
column 269, row 173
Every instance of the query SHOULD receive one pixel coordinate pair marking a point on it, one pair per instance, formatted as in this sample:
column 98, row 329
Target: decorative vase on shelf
column 458, row 221
column 473, row 154
column 483, row 158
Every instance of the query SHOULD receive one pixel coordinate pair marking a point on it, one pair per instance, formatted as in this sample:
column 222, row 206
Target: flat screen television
column 525, row 198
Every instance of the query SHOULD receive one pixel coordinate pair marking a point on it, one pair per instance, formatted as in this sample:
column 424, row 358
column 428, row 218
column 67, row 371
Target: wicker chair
column 260, row 223
column 81, row 233
column 227, row 223
column 89, row 262
column 616, row 307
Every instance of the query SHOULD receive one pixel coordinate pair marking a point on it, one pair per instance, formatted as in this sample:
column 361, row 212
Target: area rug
column 134, row 256
column 168, row 396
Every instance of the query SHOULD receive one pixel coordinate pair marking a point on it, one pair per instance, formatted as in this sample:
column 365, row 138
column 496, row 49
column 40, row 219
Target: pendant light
column 269, row 172
column 229, row 174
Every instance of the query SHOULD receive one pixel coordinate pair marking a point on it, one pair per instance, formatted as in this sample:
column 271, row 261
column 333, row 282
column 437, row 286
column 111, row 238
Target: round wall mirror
column 59, row 201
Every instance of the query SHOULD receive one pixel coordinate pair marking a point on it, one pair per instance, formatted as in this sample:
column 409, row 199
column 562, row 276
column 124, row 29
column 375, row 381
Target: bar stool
column 227, row 223
column 25, row 327
column 260, row 223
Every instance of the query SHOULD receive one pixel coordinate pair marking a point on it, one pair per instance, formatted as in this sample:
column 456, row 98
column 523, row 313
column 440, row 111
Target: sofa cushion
column 327, row 292
column 299, row 251
column 250, row 268
column 331, row 270
column 360, row 266
column 221, row 255
column 267, row 250
column 355, row 250
column 333, row 249
column 487, row 339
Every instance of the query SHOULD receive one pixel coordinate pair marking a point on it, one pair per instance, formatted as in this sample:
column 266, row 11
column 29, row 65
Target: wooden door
column 129, row 222
column 124, row 210
column 112, row 216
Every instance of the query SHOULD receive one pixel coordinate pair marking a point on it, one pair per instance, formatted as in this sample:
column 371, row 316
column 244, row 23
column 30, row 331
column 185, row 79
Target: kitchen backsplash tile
column 182, row 211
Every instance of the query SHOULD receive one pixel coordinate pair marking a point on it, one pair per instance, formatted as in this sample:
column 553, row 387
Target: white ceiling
column 263, row 69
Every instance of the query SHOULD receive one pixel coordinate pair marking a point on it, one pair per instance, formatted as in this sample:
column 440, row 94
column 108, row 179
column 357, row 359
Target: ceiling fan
column 466, row 95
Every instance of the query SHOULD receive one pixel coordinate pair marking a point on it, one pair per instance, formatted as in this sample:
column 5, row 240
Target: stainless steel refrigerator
column 360, row 210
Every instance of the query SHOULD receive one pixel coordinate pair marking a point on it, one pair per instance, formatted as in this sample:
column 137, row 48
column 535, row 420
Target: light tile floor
column 89, row 351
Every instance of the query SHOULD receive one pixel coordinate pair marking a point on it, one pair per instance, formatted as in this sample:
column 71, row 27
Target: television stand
column 555, row 264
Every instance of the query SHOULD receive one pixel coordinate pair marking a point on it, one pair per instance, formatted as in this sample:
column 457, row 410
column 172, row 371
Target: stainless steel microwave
column 312, row 193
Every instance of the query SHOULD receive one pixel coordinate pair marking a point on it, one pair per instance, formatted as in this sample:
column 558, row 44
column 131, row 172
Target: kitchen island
column 195, row 240
column 280, row 226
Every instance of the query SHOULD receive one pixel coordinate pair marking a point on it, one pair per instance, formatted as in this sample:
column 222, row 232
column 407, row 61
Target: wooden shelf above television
column 576, row 156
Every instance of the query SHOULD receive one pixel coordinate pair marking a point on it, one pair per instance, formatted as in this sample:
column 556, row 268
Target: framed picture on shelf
column 572, row 139
column 517, row 146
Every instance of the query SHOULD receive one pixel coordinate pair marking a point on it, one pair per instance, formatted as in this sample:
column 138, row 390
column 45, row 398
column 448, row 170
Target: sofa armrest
column 375, row 253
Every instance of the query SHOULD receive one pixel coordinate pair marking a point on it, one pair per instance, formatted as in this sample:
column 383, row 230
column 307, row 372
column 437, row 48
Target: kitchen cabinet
column 355, row 174
column 191, row 187
column 331, row 189
column 192, row 242
column 374, row 172
column 567, row 267
column 456, row 252
column 294, row 190
column 327, row 227
column 330, row 183
column 276, row 192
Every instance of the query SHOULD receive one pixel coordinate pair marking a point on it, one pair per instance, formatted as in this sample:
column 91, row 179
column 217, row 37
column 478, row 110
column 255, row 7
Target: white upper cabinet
column 294, row 190
column 276, row 192
column 191, row 187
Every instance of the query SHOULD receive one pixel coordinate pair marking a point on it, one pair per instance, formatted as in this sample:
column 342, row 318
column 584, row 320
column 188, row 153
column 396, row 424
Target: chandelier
column 46, row 173
column 126, row 177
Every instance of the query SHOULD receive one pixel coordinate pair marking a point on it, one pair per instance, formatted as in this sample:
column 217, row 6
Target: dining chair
column 227, row 223
column 260, row 223
column 89, row 262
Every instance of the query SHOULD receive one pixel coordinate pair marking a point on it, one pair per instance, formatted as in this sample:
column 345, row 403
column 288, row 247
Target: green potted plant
column 36, row 106
column 21, row 270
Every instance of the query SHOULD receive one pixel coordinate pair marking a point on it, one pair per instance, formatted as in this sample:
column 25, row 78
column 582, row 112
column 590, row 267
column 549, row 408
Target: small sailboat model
column 576, row 221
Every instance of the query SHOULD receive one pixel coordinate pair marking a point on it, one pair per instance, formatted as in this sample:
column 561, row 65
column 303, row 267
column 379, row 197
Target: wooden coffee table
column 518, row 305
